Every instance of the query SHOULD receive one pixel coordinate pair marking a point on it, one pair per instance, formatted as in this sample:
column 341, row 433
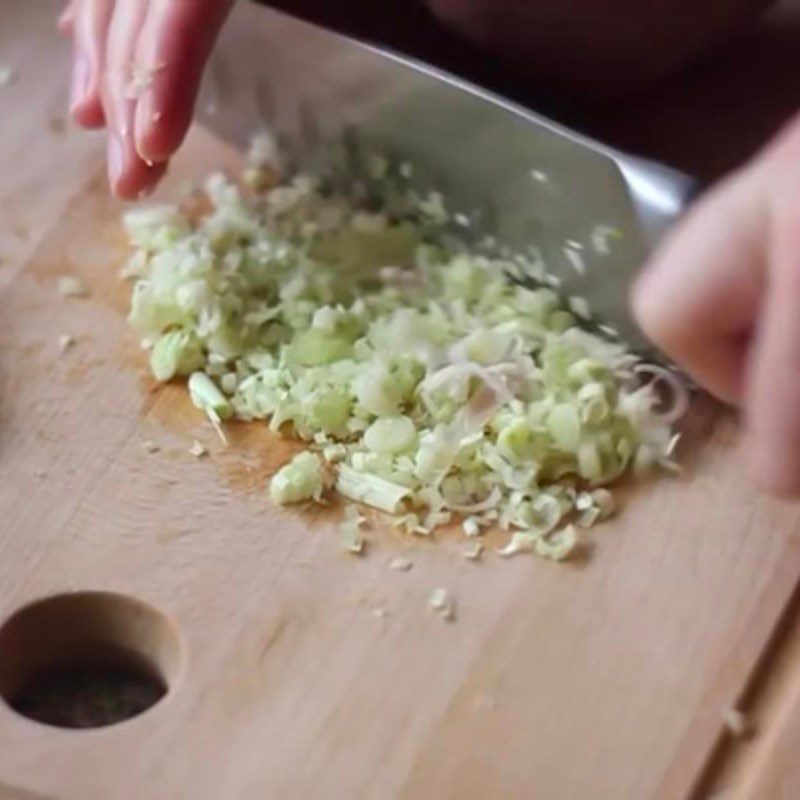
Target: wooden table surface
column 706, row 122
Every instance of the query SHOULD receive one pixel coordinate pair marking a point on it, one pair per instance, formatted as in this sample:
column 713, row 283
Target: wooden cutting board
column 297, row 671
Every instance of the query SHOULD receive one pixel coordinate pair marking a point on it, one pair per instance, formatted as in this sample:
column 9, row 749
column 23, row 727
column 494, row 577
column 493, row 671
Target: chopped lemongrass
column 522, row 542
column 7, row 75
column 65, row 341
column 150, row 446
column 371, row 490
column 391, row 435
column 72, row 286
column 576, row 260
column 408, row 522
column 737, row 723
column 401, row 564
column 602, row 236
column 350, row 529
column 303, row 478
column 209, row 399
column 342, row 308
column 604, row 502
column 474, row 552
column 558, row 546
column 471, row 527
column 198, row 449
column 580, row 307
column 176, row 352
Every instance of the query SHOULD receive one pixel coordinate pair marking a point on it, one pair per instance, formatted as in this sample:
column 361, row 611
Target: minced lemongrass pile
column 432, row 380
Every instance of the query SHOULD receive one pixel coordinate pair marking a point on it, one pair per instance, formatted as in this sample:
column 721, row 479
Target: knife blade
column 526, row 179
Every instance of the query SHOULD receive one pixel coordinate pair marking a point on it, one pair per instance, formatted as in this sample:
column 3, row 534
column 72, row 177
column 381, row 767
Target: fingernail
column 114, row 159
column 144, row 124
column 80, row 80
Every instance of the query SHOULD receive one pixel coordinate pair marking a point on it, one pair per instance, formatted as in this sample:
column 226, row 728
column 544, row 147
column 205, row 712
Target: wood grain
column 606, row 679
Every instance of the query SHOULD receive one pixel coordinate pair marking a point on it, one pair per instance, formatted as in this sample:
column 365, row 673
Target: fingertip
column 158, row 133
column 86, row 107
column 131, row 178
column 66, row 19
column 133, row 188
column 652, row 310
column 88, row 113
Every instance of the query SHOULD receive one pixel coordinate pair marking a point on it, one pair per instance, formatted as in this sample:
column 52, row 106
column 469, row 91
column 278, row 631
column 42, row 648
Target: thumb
column 699, row 297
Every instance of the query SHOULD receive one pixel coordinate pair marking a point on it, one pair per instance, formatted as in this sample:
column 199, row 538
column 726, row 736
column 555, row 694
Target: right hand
column 722, row 298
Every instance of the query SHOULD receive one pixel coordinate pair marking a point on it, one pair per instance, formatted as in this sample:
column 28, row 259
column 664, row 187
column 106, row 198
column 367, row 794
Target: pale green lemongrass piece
column 371, row 490
column 302, row 479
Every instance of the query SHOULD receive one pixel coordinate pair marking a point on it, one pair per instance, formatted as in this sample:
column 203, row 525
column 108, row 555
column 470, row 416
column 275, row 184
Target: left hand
column 137, row 66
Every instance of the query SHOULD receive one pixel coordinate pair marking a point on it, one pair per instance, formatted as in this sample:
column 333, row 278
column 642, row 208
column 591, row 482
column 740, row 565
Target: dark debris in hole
column 88, row 696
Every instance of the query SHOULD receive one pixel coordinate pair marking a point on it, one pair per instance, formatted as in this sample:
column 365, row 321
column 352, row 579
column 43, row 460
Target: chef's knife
column 594, row 213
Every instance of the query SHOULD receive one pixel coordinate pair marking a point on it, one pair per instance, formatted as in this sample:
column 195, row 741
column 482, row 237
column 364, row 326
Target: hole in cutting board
column 87, row 659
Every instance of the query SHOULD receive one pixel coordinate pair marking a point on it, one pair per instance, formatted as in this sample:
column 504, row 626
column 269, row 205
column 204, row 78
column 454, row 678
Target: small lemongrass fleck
column 576, row 260
column 7, row 75
column 443, row 603
column 198, row 449
column 559, row 546
column 208, row 398
column 474, row 552
column 350, row 529
column 608, row 330
column 149, row 446
column 737, row 723
column 471, row 527
column 552, row 280
column 72, row 286
column 580, row 307
column 602, row 236
column 521, row 542
column 604, row 501
column 65, row 341
column 401, row 564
